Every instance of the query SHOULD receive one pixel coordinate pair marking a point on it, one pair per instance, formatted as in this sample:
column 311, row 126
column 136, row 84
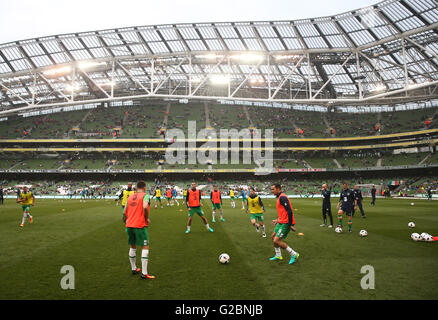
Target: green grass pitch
column 90, row 237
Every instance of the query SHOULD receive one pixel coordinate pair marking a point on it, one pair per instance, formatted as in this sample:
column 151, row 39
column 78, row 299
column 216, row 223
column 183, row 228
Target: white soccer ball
column 363, row 233
column 415, row 236
column 338, row 230
column 224, row 258
column 428, row 238
column 411, row 225
column 424, row 235
column 412, row 203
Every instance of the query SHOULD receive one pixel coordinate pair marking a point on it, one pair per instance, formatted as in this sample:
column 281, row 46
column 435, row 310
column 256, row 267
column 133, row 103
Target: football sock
column 188, row 228
column 325, row 220
column 263, row 228
column 144, row 261
column 278, row 252
column 349, row 223
column 24, row 219
column 132, row 258
column 291, row 251
column 340, row 219
column 213, row 214
column 208, row 227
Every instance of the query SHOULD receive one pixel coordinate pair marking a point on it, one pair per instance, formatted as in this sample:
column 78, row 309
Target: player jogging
column 216, row 203
column 27, row 199
column 158, row 197
column 256, row 209
column 326, row 206
column 193, row 202
column 124, row 195
column 283, row 225
column 347, row 204
column 233, row 204
column 136, row 219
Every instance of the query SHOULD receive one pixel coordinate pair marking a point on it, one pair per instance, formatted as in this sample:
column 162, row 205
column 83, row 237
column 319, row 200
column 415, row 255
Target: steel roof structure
column 385, row 52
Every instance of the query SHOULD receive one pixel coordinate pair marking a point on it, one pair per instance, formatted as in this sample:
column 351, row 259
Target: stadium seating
column 144, row 121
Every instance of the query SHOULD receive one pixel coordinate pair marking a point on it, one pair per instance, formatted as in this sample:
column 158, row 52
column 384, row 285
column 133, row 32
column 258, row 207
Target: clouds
column 31, row 18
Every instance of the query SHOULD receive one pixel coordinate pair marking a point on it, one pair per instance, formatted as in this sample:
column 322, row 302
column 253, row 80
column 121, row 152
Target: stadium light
column 57, row 71
column 219, row 79
column 89, row 64
column 72, row 87
column 248, row 57
column 379, row 88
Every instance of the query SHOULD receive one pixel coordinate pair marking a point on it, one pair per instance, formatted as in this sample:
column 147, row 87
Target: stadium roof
column 387, row 51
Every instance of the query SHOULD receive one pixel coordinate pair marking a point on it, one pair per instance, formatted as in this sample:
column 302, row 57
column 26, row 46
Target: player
column 83, row 194
column 193, row 202
column 326, row 206
column 216, row 203
column 27, row 199
column 373, row 195
column 124, row 195
column 233, row 204
column 256, row 209
column 1, row 196
column 158, row 197
column 347, row 204
column 136, row 219
column 174, row 196
column 283, row 225
column 244, row 198
column 169, row 197
column 359, row 198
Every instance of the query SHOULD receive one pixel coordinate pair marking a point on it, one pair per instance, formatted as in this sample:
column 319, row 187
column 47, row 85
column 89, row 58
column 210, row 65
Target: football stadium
column 327, row 127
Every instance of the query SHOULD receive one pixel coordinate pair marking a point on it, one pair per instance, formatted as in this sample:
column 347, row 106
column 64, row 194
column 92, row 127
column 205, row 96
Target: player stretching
column 347, row 203
column 158, row 197
column 124, row 195
column 256, row 209
column 233, row 204
column 27, row 199
column 193, row 202
column 136, row 219
column 216, row 202
column 283, row 225
column 326, row 206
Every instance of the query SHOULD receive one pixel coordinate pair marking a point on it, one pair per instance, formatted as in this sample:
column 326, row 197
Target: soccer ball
column 338, row 230
column 412, row 203
column 428, row 238
column 411, row 225
column 415, row 236
column 363, row 233
column 424, row 235
column 224, row 258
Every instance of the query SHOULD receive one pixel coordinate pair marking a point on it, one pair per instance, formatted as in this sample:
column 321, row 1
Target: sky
column 25, row 19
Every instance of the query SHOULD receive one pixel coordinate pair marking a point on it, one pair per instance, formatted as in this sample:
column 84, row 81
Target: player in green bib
column 26, row 199
column 255, row 208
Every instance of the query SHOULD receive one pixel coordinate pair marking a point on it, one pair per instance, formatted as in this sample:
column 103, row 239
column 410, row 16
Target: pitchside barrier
column 296, row 196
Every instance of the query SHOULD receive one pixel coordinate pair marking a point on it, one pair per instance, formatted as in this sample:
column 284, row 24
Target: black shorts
column 347, row 209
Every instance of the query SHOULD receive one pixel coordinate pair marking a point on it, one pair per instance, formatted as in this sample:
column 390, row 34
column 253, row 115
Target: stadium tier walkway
column 328, row 126
column 337, row 163
column 80, row 123
column 245, row 109
column 422, row 161
column 379, row 162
